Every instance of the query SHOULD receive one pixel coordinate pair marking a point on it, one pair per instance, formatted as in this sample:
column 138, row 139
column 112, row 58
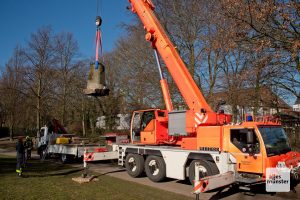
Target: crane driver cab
column 145, row 123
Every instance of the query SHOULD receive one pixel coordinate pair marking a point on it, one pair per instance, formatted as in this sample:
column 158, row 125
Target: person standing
column 28, row 147
column 20, row 156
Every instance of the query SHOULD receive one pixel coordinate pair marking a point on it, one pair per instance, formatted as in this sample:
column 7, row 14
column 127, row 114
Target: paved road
column 181, row 187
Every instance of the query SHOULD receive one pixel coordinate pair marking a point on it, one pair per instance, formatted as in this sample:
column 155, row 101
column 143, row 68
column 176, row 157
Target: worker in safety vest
column 20, row 156
column 28, row 147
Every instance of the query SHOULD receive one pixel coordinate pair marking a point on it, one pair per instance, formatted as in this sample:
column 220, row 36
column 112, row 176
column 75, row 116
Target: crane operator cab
column 149, row 126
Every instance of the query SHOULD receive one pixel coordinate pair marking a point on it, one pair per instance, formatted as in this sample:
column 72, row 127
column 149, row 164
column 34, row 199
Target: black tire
column 209, row 168
column 66, row 158
column 134, row 165
column 155, row 168
column 214, row 168
column 41, row 152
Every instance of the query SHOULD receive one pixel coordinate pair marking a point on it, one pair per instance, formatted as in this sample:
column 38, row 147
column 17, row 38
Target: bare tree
column 270, row 28
column 184, row 23
column 273, row 24
column 199, row 32
column 233, row 78
column 66, row 50
column 12, row 90
column 136, row 72
column 39, row 59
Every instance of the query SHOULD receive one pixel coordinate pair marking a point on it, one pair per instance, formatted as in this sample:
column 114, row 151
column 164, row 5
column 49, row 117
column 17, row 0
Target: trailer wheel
column 134, row 164
column 208, row 169
column 42, row 152
column 63, row 158
column 39, row 151
column 155, row 168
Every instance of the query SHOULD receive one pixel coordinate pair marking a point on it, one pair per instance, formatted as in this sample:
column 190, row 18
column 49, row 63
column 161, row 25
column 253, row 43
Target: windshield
column 275, row 140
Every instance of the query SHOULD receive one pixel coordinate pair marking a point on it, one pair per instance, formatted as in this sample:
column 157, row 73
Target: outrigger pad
column 96, row 92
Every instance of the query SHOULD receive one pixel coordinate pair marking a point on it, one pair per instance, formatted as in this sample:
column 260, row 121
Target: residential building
column 121, row 122
column 247, row 102
column 296, row 106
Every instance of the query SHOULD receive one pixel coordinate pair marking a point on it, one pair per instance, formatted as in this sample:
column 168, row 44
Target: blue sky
column 20, row 18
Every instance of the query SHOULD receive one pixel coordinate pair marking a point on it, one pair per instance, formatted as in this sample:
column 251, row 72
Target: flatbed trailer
column 109, row 152
column 91, row 155
column 68, row 152
column 66, row 146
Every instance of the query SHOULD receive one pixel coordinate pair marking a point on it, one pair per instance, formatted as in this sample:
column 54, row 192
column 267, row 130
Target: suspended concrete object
column 96, row 79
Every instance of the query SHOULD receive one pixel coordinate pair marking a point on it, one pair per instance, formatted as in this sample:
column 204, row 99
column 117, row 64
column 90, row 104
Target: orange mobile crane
column 169, row 143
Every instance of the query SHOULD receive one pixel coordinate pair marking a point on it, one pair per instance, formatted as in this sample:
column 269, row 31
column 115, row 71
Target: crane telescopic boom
column 198, row 107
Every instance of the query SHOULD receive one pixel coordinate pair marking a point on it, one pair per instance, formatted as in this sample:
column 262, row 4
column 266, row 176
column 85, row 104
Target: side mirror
column 250, row 137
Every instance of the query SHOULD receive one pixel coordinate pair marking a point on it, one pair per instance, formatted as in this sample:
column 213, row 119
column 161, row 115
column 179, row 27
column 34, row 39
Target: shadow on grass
column 57, row 173
column 226, row 192
column 36, row 168
column 111, row 172
column 257, row 189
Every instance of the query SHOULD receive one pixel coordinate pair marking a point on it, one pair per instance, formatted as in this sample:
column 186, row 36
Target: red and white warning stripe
column 200, row 186
column 88, row 156
column 200, row 119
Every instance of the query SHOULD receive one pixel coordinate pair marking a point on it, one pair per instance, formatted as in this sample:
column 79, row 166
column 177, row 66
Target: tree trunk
column 38, row 116
column 256, row 98
column 38, row 104
column 63, row 111
column 83, row 118
column 191, row 65
column 83, row 126
column 64, row 101
column 234, row 113
column 92, row 125
column 11, row 132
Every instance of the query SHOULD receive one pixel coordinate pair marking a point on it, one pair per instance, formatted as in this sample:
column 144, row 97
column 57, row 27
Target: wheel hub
column 153, row 167
column 202, row 171
column 132, row 164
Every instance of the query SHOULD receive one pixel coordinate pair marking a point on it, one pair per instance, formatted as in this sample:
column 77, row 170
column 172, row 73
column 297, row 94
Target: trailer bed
column 76, row 150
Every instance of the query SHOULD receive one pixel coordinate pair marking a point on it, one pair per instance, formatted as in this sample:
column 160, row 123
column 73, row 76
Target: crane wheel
column 134, row 165
column 155, row 168
column 208, row 169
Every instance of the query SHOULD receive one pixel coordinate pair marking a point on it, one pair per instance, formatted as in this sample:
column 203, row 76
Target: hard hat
column 27, row 137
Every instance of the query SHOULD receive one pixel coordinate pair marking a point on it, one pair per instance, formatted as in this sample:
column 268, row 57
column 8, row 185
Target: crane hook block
column 98, row 21
column 96, row 81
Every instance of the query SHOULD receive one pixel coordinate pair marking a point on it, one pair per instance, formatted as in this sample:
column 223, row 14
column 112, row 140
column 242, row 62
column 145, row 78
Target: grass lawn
column 49, row 180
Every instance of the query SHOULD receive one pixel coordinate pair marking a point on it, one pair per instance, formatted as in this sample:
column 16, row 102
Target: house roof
column 247, row 97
